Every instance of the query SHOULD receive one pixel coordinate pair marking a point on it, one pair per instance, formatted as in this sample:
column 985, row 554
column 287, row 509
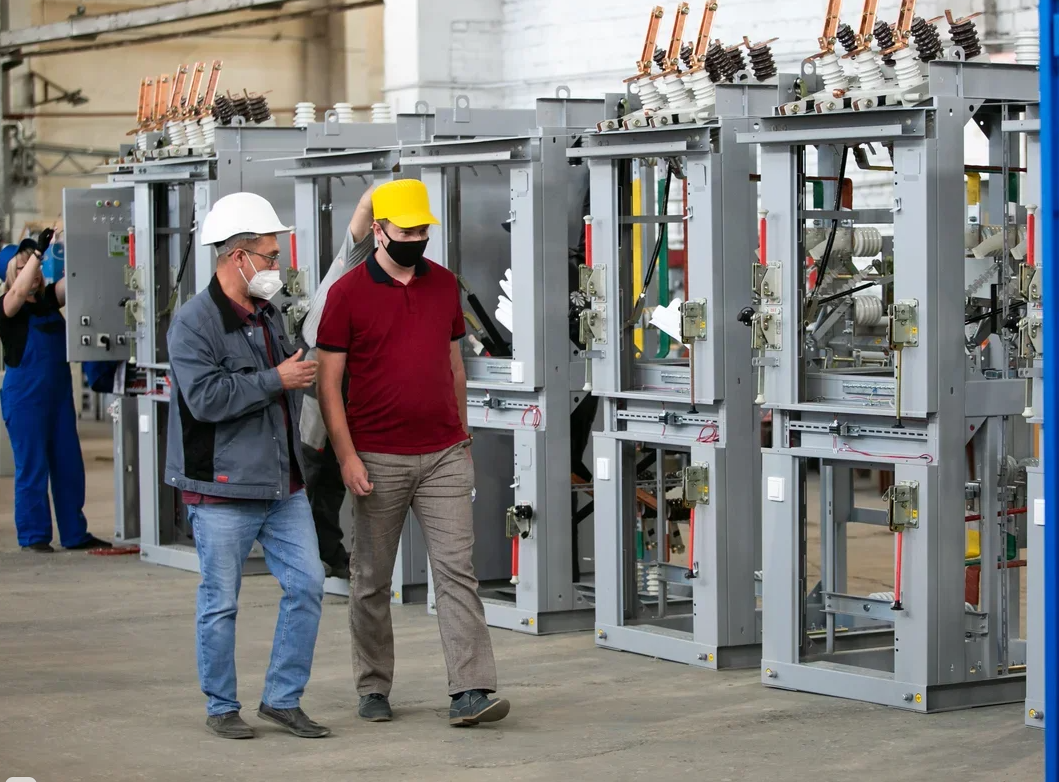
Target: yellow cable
column 637, row 260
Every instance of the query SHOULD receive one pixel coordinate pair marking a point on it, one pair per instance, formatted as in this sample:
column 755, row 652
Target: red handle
column 898, row 567
column 514, row 559
column 588, row 241
column 691, row 540
column 1031, row 248
column 293, row 251
column 763, row 242
column 132, row 248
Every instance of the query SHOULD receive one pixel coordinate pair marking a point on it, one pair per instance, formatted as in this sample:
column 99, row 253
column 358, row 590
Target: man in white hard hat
column 233, row 452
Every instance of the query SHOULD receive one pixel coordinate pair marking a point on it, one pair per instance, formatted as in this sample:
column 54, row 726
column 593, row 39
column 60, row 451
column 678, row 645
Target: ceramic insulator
column 830, row 70
column 907, row 69
column 344, row 112
column 869, row 72
column 653, row 579
column 867, row 310
column 141, row 141
column 381, row 112
column 1028, row 48
column 209, row 129
column 304, row 114
column 174, row 130
column 703, row 90
column 867, row 242
column 193, row 133
column 650, row 97
column 677, row 95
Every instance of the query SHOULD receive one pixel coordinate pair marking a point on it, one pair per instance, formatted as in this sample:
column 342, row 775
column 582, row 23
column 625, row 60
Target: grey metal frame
column 164, row 195
column 650, row 402
column 467, row 179
column 934, row 654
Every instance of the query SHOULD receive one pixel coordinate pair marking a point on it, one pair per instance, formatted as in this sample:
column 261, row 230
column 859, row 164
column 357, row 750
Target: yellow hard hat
column 404, row 202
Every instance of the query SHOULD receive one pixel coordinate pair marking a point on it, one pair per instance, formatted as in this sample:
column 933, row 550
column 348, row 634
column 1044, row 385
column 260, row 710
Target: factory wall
column 322, row 60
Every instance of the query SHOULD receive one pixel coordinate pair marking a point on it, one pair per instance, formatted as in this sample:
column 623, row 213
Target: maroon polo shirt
column 397, row 339
column 194, row 498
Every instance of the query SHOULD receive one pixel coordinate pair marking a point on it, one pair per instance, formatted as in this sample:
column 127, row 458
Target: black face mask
column 406, row 254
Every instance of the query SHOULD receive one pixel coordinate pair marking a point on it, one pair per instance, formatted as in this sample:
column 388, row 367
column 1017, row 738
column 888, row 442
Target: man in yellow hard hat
column 394, row 324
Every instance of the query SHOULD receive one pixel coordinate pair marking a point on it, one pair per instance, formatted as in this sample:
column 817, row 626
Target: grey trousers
column 437, row 486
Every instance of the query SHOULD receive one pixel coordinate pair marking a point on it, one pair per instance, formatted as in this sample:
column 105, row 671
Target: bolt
column 602, row 635
column 523, row 621
column 770, row 673
column 431, row 606
column 867, row 607
column 702, row 657
column 907, row 697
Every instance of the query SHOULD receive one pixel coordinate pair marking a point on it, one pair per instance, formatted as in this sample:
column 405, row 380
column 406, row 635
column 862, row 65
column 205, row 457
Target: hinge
column 692, row 320
column 592, row 281
column 590, row 327
column 904, row 324
column 518, row 520
column 1031, row 336
column 295, row 282
column 766, row 329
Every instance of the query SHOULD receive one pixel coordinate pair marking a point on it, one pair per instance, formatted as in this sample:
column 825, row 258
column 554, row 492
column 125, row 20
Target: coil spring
column 737, row 60
column 884, row 36
column 241, row 107
column 660, row 58
column 762, row 62
column 846, row 37
column 687, row 56
column 258, row 108
column 715, row 59
column 965, row 35
column 223, row 110
column 927, row 38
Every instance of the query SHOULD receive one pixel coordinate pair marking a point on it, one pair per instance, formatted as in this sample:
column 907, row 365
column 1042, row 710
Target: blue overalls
column 37, row 404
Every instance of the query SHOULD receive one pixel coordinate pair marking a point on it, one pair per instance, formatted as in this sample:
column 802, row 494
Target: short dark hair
column 235, row 242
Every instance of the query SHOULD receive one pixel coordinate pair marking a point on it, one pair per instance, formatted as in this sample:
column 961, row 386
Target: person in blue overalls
column 37, row 404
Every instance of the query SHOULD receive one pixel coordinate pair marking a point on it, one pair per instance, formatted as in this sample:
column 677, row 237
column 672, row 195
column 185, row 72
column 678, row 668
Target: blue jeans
column 224, row 535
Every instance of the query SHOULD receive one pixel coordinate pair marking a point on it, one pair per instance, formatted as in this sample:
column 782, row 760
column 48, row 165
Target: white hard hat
column 240, row 213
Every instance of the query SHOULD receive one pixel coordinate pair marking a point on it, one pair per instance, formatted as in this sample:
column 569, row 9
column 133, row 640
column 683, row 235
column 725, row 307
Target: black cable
column 834, row 225
column 850, row 292
column 991, row 313
column 662, row 231
column 185, row 256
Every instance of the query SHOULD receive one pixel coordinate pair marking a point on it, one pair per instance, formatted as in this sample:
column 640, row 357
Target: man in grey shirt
column 323, row 476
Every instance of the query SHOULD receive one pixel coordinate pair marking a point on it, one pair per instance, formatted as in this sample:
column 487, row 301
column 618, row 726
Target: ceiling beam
column 87, row 26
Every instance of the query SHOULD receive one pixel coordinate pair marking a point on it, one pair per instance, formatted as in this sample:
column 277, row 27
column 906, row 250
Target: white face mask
column 265, row 284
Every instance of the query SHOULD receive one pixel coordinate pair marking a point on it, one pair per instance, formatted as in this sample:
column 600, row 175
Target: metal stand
column 698, row 412
column 911, row 404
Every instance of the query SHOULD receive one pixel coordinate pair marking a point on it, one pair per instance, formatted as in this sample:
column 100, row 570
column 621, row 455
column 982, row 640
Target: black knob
column 746, row 316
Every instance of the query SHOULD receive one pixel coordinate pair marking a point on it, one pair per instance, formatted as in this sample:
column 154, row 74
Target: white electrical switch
column 145, row 424
column 1038, row 512
column 602, row 469
column 775, row 489
column 518, row 373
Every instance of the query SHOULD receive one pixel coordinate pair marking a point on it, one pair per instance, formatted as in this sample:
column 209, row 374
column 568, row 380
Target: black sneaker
column 92, row 543
column 294, row 720
column 340, row 571
column 475, row 706
column 375, row 708
column 229, row 726
column 39, row 548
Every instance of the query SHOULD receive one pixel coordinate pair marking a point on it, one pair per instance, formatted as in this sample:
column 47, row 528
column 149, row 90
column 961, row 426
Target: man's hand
column 355, row 476
column 295, row 373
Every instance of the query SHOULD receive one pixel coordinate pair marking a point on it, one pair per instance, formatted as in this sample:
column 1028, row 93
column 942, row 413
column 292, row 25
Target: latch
column 590, row 329
column 766, row 330
column 1030, row 282
column 904, row 323
column 692, row 320
column 696, row 484
column 295, row 282
column 133, row 278
column 902, row 506
column 518, row 520
column 769, row 288
column 592, row 281
column 133, row 313
column 1031, row 336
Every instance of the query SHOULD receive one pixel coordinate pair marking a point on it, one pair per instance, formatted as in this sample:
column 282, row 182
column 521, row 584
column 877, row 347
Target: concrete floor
column 97, row 681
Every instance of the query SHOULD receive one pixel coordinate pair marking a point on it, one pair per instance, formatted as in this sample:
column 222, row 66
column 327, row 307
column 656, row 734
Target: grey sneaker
column 294, row 720
column 375, row 708
column 229, row 726
column 476, row 706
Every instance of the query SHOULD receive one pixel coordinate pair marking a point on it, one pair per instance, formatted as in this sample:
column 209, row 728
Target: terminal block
column 902, row 506
column 518, row 520
column 695, row 482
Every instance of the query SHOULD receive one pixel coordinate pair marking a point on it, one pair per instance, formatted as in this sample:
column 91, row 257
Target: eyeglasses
column 272, row 259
